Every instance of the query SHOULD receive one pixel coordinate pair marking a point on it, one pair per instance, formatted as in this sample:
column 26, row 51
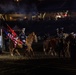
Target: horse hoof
column 52, row 54
column 19, row 55
column 11, row 54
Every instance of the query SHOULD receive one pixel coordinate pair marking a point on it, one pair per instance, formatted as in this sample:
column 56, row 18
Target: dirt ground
column 35, row 65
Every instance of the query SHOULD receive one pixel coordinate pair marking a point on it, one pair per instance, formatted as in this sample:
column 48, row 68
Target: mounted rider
column 60, row 33
column 61, row 41
column 22, row 36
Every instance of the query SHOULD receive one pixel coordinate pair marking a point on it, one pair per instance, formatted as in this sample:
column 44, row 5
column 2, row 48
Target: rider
column 22, row 37
column 60, row 33
column 61, row 42
column 57, row 32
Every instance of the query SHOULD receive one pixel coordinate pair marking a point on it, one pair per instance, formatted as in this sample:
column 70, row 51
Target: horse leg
column 31, row 50
column 67, row 51
column 63, row 53
column 45, row 51
column 17, row 52
column 50, row 51
column 11, row 51
column 54, row 53
column 28, row 51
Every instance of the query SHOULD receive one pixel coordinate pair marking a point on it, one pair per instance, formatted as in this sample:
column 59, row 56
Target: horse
column 54, row 46
column 49, row 45
column 29, row 41
column 46, row 46
column 32, row 37
column 65, row 35
column 71, row 48
column 12, row 48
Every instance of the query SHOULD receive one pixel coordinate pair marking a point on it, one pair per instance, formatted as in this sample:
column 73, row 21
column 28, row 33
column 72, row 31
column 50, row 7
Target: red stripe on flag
column 12, row 31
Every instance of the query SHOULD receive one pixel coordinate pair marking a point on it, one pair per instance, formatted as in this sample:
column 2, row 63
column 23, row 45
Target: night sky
column 33, row 6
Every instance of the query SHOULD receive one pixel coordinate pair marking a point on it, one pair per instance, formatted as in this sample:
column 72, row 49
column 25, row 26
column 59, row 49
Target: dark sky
column 33, row 6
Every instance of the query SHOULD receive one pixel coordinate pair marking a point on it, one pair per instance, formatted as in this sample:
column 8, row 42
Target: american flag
column 14, row 35
column 12, row 31
column 12, row 38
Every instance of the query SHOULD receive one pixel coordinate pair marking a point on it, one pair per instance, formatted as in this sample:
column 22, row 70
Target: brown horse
column 29, row 41
column 12, row 48
column 49, row 45
column 70, row 40
column 46, row 46
column 54, row 43
column 54, row 46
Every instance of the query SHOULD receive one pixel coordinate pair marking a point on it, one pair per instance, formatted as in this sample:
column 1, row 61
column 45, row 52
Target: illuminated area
column 43, row 16
column 34, row 9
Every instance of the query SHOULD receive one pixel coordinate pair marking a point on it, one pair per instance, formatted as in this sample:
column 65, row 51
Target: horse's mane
column 65, row 35
column 30, row 35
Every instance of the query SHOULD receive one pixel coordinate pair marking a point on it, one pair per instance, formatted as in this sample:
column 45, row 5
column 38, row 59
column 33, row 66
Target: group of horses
column 60, row 47
column 52, row 45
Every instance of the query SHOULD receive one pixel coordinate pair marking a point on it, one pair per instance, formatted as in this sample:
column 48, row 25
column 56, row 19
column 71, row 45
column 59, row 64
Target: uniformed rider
column 22, row 36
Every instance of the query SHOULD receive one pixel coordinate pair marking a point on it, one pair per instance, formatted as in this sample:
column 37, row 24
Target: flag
column 14, row 39
column 14, row 34
column 12, row 31
column 11, row 37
